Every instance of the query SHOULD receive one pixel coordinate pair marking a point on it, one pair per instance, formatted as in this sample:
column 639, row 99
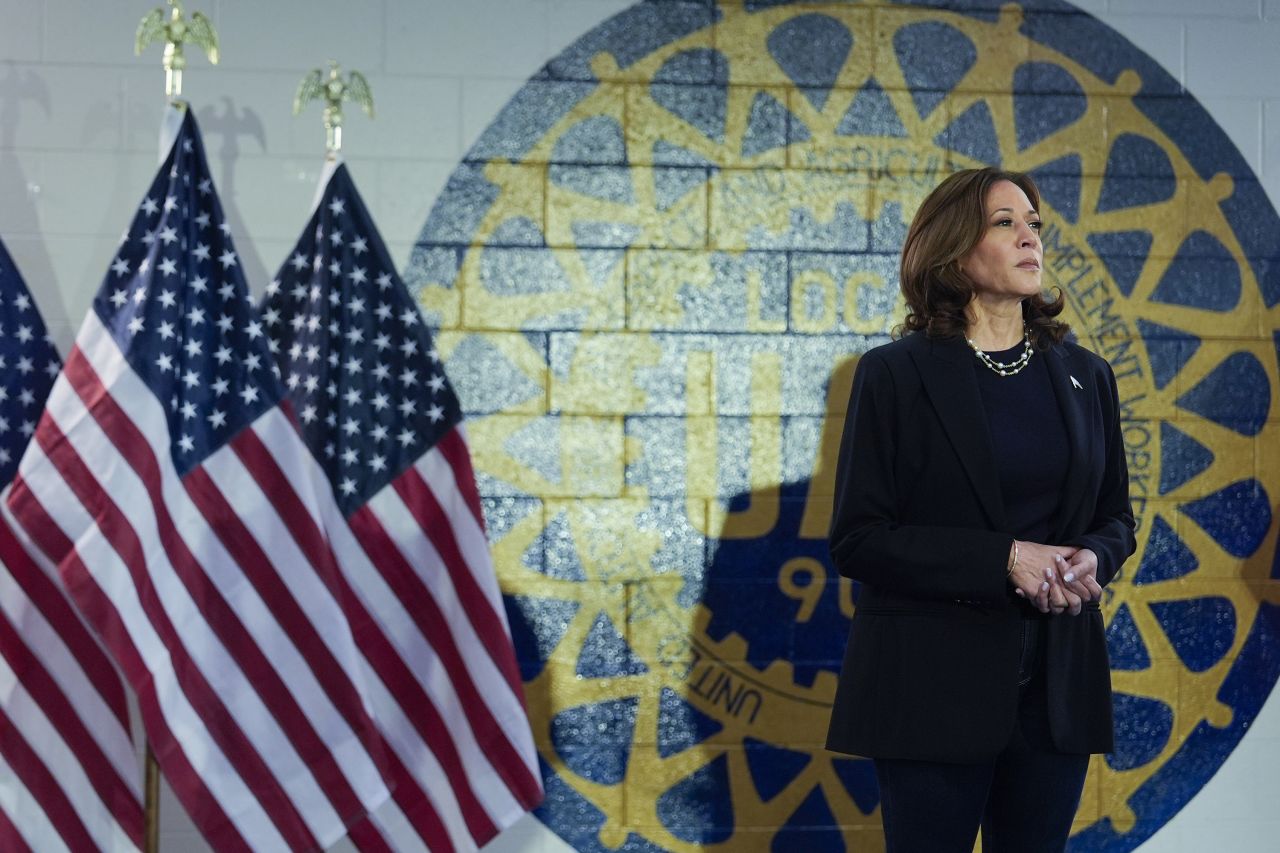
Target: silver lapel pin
column 1076, row 382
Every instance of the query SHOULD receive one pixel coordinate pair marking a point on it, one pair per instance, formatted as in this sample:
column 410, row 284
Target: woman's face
column 1006, row 261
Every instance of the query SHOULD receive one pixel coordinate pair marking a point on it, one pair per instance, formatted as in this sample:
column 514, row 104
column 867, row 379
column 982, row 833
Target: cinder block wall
column 78, row 126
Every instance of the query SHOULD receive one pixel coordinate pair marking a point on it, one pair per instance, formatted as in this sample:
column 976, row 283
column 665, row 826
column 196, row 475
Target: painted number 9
column 803, row 579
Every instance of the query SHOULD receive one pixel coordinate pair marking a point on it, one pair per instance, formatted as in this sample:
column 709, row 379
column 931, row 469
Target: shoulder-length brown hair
column 950, row 222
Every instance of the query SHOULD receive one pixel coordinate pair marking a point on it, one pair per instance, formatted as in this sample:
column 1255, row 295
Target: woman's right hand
column 1034, row 578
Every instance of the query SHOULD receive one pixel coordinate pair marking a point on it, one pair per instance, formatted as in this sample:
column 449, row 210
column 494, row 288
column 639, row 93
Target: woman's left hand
column 1079, row 574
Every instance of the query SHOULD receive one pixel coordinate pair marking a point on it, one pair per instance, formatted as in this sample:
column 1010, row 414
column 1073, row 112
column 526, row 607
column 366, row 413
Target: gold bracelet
column 1013, row 563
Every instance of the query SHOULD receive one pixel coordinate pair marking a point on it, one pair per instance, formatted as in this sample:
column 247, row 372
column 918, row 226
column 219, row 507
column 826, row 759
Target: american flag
column 169, row 485
column 69, row 775
column 384, row 427
column 28, row 365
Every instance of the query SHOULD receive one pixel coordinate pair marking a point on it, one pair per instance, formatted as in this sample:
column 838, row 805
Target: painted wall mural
column 653, row 275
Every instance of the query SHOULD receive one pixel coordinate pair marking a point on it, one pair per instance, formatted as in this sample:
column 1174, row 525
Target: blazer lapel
column 953, row 389
column 1074, row 399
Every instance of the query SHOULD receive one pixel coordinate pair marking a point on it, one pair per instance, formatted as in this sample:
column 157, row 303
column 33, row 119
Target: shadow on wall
column 771, row 583
column 768, row 580
column 21, row 222
column 231, row 125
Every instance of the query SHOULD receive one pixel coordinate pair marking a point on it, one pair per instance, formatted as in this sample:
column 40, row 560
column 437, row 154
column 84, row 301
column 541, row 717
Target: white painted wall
column 79, row 116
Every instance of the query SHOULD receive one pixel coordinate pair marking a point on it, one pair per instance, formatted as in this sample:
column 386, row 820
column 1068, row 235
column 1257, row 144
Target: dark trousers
column 1023, row 800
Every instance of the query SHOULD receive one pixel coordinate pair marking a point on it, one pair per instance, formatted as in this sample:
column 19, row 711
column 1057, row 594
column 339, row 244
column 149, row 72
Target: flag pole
column 174, row 29
column 151, row 804
column 333, row 89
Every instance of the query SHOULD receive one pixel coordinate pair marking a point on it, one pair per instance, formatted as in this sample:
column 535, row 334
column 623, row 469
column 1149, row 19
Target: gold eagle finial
column 176, row 30
column 333, row 90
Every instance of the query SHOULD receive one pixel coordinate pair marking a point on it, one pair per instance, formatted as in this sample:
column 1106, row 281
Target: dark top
column 1030, row 439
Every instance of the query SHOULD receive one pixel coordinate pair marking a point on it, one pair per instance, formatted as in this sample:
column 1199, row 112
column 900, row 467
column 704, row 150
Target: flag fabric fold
column 69, row 774
column 384, row 427
column 168, row 484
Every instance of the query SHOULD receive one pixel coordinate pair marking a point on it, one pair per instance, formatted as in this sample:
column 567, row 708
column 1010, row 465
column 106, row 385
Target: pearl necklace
column 1011, row 368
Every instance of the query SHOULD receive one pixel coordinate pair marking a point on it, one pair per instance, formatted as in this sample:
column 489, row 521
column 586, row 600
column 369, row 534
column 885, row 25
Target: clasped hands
column 1055, row 578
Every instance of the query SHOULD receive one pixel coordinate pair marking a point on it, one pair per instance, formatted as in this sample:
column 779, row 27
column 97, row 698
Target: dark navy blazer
column 931, row 668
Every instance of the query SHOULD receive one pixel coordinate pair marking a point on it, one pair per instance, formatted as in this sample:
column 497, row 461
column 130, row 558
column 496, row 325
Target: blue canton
column 357, row 360
column 28, row 365
column 176, row 302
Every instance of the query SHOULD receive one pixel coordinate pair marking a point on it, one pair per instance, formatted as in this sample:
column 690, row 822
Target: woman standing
column 982, row 501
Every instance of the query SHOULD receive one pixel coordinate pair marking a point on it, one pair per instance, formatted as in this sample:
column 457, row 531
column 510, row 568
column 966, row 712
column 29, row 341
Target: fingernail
column 1069, row 577
column 1044, row 585
column 1058, row 557
column 1019, row 593
column 1048, row 573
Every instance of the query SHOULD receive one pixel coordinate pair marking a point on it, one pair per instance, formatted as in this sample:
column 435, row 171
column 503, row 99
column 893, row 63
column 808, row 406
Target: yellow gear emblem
column 652, row 276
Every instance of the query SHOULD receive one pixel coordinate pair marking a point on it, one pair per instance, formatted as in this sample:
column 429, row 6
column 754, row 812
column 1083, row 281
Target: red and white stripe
column 69, row 773
column 441, row 670
column 247, row 678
